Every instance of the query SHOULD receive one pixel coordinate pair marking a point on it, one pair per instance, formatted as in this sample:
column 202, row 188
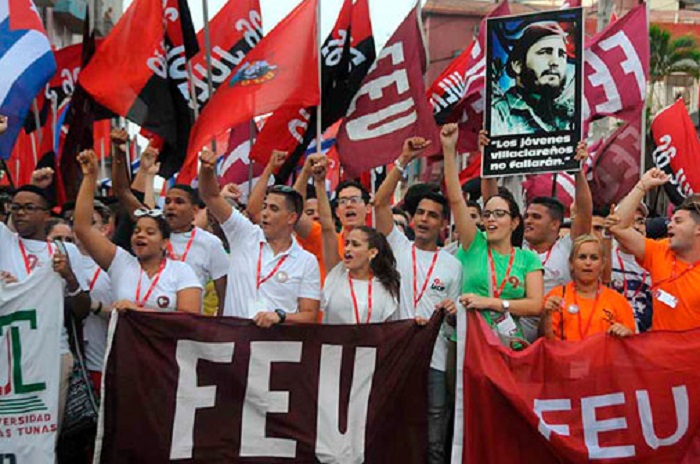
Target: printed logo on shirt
column 609, row 316
column 437, row 285
column 514, row 281
column 163, row 301
column 32, row 260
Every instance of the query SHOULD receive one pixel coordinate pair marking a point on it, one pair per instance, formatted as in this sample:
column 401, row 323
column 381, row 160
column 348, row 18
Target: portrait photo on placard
column 533, row 92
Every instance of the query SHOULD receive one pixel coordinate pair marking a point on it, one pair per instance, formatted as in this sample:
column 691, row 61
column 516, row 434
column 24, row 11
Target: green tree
column 669, row 56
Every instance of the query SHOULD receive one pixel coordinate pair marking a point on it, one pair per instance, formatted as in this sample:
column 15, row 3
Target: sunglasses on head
column 280, row 189
column 152, row 213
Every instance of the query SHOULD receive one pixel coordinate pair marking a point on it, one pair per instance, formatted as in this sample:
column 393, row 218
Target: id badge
column 666, row 298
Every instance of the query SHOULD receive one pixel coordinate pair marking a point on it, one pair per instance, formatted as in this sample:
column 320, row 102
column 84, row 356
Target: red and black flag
column 137, row 71
column 280, row 72
column 347, row 53
column 229, row 45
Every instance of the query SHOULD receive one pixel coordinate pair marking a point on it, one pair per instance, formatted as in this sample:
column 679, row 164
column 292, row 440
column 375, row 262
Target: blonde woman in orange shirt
column 585, row 306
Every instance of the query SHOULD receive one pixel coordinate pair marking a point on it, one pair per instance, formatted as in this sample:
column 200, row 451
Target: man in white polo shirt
column 431, row 278
column 271, row 278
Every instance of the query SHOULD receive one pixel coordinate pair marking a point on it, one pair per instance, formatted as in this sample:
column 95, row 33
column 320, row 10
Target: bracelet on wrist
column 71, row 294
column 399, row 166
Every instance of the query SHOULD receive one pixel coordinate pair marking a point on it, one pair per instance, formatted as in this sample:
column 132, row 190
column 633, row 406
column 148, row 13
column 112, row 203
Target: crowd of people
column 293, row 254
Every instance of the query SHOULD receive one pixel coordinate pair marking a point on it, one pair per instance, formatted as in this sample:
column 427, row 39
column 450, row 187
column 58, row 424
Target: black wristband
column 282, row 314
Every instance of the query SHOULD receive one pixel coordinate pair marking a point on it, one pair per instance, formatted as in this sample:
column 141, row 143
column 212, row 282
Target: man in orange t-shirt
column 674, row 263
column 580, row 317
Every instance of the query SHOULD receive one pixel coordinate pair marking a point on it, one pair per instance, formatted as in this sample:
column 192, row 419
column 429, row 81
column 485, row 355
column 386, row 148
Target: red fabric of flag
column 281, row 71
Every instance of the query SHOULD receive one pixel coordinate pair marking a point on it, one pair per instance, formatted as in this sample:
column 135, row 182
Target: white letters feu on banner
column 31, row 316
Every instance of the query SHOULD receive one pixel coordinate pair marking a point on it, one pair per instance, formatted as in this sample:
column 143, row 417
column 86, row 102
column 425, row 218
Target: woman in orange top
column 585, row 306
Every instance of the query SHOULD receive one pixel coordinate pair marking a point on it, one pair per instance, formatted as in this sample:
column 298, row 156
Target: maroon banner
column 187, row 388
column 603, row 399
column 677, row 150
column 616, row 68
column 390, row 105
column 457, row 95
column 615, row 166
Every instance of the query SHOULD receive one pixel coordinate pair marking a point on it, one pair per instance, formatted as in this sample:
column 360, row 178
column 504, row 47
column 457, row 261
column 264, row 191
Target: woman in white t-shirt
column 364, row 286
column 148, row 281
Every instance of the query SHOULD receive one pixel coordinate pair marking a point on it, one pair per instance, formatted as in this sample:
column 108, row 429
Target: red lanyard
column 96, row 275
column 140, row 303
column 417, row 296
column 171, row 252
column 624, row 277
column 675, row 276
column 498, row 289
column 590, row 316
column 354, row 300
column 257, row 277
column 549, row 252
column 26, row 258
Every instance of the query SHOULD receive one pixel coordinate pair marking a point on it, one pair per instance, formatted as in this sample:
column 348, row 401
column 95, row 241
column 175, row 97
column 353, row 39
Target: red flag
column 286, row 128
column 473, row 169
column 281, row 71
column 677, row 150
column 390, row 105
column 235, row 163
column 542, row 185
column 571, row 4
column 457, row 95
column 603, row 399
column 616, row 164
column 616, row 68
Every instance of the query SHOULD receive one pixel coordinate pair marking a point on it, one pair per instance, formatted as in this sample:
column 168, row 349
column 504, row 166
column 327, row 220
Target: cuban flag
column 27, row 64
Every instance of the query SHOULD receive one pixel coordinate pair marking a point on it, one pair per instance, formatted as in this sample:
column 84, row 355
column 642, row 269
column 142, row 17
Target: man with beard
column 537, row 63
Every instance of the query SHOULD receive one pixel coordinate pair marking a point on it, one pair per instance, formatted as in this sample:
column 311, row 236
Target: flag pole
column 193, row 93
column 37, row 119
column 32, row 137
column 643, row 135
column 207, row 52
column 251, row 138
column 319, row 112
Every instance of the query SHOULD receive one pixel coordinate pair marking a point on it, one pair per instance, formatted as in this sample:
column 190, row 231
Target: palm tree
column 668, row 56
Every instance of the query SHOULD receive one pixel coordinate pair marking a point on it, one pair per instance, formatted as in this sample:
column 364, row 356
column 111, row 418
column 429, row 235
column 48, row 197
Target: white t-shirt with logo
column 206, row 255
column 338, row 306
column 125, row 273
column 297, row 277
column 39, row 254
column 95, row 325
column 556, row 263
column 633, row 282
column 445, row 282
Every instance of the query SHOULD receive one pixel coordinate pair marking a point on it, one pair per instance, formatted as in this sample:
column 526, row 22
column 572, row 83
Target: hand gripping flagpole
column 207, row 51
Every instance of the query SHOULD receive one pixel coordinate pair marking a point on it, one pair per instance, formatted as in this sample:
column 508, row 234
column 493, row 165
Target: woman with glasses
column 585, row 306
column 363, row 286
column 500, row 279
column 148, row 280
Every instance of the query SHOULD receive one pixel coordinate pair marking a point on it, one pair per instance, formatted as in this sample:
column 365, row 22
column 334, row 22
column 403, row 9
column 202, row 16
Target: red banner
column 390, row 105
column 616, row 68
column 228, row 391
column 677, row 150
column 604, row 399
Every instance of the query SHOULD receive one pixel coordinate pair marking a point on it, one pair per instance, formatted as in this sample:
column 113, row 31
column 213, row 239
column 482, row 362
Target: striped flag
column 27, row 64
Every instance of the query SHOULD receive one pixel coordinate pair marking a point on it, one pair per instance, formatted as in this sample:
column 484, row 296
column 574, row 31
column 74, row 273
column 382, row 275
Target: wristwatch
column 282, row 314
column 505, row 305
